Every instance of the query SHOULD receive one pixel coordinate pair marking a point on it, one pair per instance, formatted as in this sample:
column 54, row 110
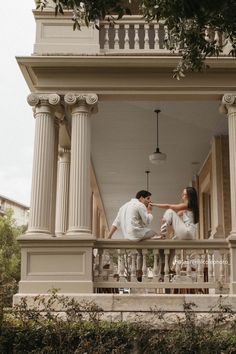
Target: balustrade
column 166, row 264
column 132, row 34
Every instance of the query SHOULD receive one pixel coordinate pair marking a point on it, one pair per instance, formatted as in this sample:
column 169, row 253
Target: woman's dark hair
column 193, row 202
column 143, row 194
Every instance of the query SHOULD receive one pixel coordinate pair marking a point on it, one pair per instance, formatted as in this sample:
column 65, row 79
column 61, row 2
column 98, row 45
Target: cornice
column 160, row 61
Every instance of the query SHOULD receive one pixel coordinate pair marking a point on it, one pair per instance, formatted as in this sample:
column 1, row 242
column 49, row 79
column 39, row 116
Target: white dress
column 184, row 227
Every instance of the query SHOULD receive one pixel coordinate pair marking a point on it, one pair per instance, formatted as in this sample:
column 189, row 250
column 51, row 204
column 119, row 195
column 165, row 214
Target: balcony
column 131, row 35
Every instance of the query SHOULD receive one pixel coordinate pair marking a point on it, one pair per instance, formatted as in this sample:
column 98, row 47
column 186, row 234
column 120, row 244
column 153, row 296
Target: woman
column 182, row 217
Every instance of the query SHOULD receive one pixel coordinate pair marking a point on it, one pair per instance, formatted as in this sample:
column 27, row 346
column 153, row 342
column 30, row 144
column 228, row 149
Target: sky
column 17, row 35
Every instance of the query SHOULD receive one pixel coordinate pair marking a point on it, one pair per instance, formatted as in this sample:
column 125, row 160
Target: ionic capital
column 84, row 102
column 47, row 103
column 228, row 103
column 35, row 99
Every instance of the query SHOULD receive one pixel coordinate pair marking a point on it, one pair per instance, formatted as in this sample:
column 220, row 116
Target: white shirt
column 133, row 218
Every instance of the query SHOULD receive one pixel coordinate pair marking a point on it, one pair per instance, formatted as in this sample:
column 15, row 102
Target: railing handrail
column 131, row 19
column 160, row 244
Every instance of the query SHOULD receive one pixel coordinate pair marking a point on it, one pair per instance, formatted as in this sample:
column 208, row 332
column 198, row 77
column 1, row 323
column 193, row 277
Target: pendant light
column 157, row 157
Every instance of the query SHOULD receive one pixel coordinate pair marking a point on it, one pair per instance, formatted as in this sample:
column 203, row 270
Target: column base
column 87, row 235
column 45, row 286
column 49, row 262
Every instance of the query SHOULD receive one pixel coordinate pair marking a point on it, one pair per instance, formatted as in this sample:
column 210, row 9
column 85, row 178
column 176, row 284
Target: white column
column 43, row 174
column 62, row 204
column 229, row 106
column 54, row 183
column 217, row 221
column 229, row 103
column 79, row 196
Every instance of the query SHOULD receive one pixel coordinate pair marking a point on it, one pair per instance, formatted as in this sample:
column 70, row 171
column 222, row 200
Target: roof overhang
column 127, row 77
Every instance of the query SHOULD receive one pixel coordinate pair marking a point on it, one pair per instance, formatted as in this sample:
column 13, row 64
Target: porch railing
column 199, row 265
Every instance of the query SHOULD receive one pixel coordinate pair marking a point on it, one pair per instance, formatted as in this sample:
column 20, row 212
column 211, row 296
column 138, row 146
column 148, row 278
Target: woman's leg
column 173, row 219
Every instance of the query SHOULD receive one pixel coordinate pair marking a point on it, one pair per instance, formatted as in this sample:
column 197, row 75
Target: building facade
column 20, row 211
column 93, row 95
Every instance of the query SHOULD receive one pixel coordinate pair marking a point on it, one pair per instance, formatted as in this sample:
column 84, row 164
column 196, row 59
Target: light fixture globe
column 157, row 157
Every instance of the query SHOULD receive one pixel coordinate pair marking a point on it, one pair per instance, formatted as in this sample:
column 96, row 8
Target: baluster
column 217, row 38
column 128, row 265
column 118, row 261
column 106, row 38
column 211, row 277
column 144, row 267
column 126, row 39
column 188, row 264
column 221, row 276
column 176, row 47
column 146, row 36
column 116, row 39
column 207, row 34
column 100, row 263
column 178, row 264
column 133, row 265
column 166, row 268
column 166, row 37
column 95, row 263
column 136, row 36
column 156, row 38
column 227, row 270
column 139, row 260
column 111, row 265
column 155, row 270
column 122, row 266
column 200, row 273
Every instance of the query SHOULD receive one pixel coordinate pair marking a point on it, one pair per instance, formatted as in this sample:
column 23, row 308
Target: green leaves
column 9, row 260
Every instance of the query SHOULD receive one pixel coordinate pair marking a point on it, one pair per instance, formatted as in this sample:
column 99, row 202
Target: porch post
column 82, row 106
column 229, row 107
column 94, row 217
column 62, row 204
column 42, row 208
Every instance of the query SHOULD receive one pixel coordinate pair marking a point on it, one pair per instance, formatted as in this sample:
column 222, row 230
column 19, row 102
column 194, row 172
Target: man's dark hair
column 143, row 194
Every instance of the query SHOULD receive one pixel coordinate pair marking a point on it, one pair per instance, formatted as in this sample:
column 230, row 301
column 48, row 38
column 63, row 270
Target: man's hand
column 113, row 229
column 149, row 208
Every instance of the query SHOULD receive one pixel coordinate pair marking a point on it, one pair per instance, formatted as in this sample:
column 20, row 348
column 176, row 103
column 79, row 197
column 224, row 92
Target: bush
column 61, row 325
column 9, row 260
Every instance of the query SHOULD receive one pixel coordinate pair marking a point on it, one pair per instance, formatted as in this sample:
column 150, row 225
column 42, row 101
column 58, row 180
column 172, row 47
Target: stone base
column 124, row 307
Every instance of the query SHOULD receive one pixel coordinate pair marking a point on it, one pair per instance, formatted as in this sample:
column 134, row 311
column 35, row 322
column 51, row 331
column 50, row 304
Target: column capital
column 228, row 103
column 35, row 99
column 88, row 100
column 43, row 101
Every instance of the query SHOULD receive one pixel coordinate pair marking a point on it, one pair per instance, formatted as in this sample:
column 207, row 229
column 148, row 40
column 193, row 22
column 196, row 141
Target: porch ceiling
column 124, row 134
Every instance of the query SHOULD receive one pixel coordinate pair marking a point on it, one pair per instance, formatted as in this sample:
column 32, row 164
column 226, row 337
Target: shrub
column 61, row 325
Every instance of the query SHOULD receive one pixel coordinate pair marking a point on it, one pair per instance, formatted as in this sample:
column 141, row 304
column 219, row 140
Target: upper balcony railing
column 134, row 34
column 131, row 35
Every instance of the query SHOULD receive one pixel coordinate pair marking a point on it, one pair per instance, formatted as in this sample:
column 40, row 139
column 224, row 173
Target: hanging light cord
column 147, row 172
column 157, row 111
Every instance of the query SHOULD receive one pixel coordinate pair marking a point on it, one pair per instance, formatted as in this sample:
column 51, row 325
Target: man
column 134, row 217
